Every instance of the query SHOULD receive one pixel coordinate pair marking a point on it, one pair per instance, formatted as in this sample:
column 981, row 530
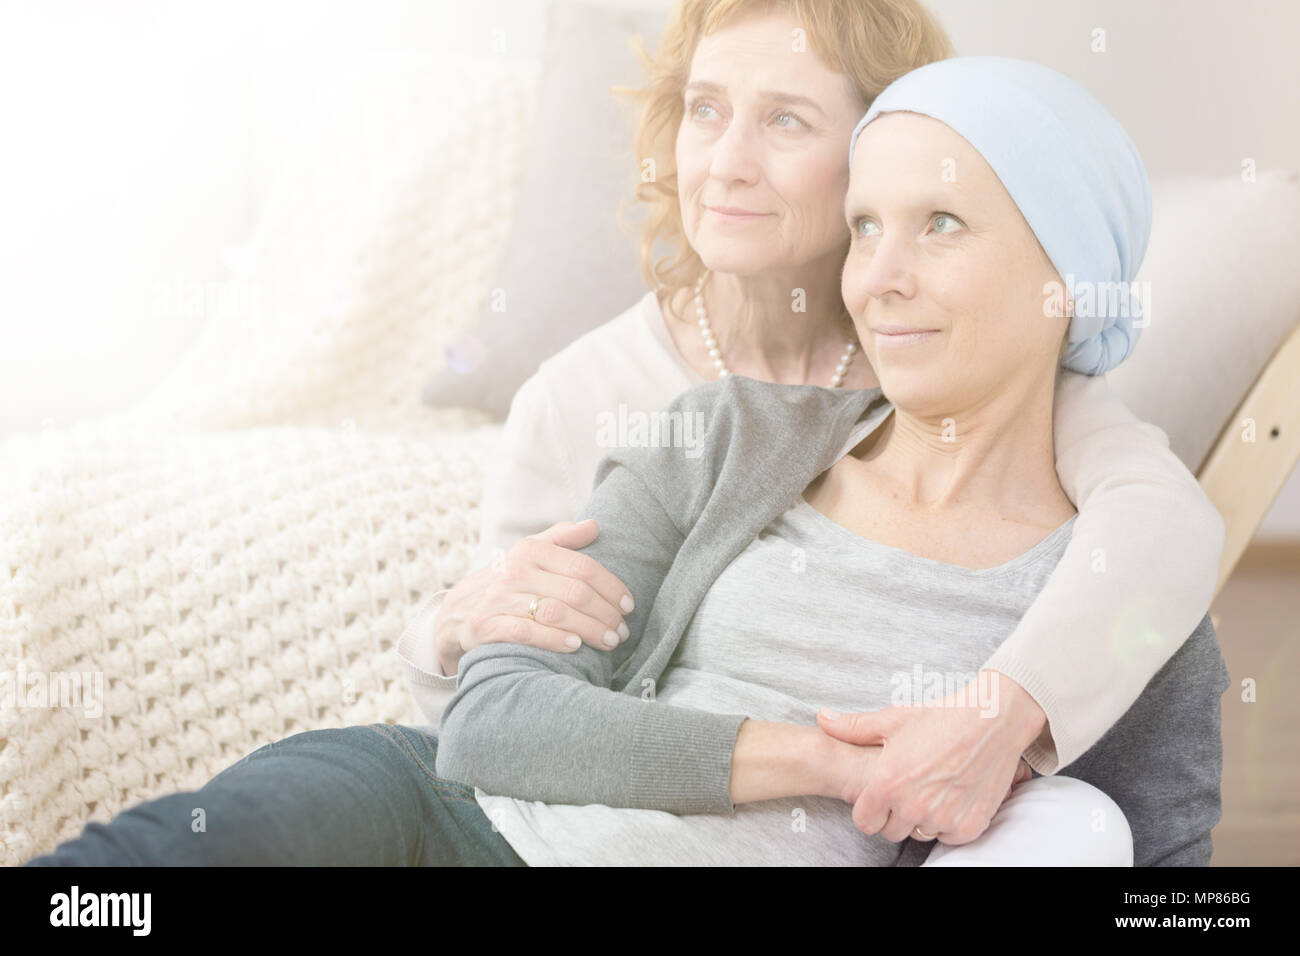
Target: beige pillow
column 1225, row 292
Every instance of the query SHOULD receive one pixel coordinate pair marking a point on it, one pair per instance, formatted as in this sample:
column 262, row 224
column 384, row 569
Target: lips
column 902, row 338
column 735, row 212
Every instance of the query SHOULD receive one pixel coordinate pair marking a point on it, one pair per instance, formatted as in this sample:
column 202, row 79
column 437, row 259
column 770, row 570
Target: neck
column 992, row 455
column 763, row 334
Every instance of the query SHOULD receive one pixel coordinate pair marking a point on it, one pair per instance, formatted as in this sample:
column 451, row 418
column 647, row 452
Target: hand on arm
column 948, row 765
column 774, row 760
column 534, row 724
column 525, row 549
column 580, row 602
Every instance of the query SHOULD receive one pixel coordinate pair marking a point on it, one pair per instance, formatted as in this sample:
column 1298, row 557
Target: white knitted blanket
column 232, row 560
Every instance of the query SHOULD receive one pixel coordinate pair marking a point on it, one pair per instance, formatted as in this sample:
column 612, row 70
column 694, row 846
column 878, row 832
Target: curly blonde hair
column 872, row 42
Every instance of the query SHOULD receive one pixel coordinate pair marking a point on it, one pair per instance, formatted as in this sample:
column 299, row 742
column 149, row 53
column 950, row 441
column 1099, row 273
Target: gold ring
column 922, row 835
column 532, row 608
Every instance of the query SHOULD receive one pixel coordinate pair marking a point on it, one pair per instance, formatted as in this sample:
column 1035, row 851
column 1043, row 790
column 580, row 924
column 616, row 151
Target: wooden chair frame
column 1255, row 453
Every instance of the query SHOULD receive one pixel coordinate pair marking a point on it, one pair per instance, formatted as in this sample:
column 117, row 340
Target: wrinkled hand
column 581, row 602
column 944, row 769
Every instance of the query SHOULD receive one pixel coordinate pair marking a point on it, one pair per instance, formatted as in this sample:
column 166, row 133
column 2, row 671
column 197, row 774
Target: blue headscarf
column 1069, row 166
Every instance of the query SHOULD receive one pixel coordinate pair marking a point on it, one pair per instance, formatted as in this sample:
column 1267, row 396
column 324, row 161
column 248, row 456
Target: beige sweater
column 1085, row 649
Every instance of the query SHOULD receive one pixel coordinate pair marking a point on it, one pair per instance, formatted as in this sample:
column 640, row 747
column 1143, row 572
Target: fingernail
column 830, row 714
column 574, row 641
column 611, row 639
column 626, row 604
column 623, row 632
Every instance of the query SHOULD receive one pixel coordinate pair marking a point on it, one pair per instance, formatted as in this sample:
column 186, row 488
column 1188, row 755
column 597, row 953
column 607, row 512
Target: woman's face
column 938, row 244
column 762, row 152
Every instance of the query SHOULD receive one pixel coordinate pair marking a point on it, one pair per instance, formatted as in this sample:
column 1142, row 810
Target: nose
column 734, row 157
column 878, row 269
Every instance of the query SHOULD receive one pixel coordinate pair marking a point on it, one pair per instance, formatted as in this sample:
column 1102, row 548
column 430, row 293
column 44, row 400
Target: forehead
column 915, row 147
column 760, row 50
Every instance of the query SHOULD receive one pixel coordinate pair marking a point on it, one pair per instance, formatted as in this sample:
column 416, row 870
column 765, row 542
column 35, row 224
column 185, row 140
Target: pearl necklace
column 715, row 353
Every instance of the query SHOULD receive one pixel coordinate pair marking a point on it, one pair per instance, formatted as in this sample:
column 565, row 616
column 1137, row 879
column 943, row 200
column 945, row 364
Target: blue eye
column 946, row 218
column 859, row 225
column 698, row 105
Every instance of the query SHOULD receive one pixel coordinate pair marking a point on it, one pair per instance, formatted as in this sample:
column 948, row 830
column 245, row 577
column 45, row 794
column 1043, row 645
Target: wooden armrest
column 1256, row 452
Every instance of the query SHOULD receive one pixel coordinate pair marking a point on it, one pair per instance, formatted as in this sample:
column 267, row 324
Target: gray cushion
column 567, row 266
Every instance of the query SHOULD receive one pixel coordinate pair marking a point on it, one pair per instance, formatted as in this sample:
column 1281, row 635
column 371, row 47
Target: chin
column 734, row 258
column 911, row 389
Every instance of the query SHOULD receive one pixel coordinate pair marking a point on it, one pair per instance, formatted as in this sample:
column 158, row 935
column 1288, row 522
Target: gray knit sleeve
column 549, row 726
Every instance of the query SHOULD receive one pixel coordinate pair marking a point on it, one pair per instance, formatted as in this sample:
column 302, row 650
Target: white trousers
column 1047, row 821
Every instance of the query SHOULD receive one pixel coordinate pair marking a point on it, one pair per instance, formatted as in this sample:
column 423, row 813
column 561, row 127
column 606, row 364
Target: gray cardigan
column 584, row 728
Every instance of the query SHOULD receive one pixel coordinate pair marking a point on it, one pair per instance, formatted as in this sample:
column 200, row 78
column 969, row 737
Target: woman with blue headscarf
column 824, row 552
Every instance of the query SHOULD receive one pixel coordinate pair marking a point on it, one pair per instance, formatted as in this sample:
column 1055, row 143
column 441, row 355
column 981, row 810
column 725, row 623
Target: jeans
column 352, row 796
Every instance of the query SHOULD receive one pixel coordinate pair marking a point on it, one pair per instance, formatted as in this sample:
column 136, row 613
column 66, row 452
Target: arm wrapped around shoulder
column 1138, row 574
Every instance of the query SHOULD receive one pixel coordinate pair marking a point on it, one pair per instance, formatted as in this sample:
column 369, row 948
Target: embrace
column 919, row 592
